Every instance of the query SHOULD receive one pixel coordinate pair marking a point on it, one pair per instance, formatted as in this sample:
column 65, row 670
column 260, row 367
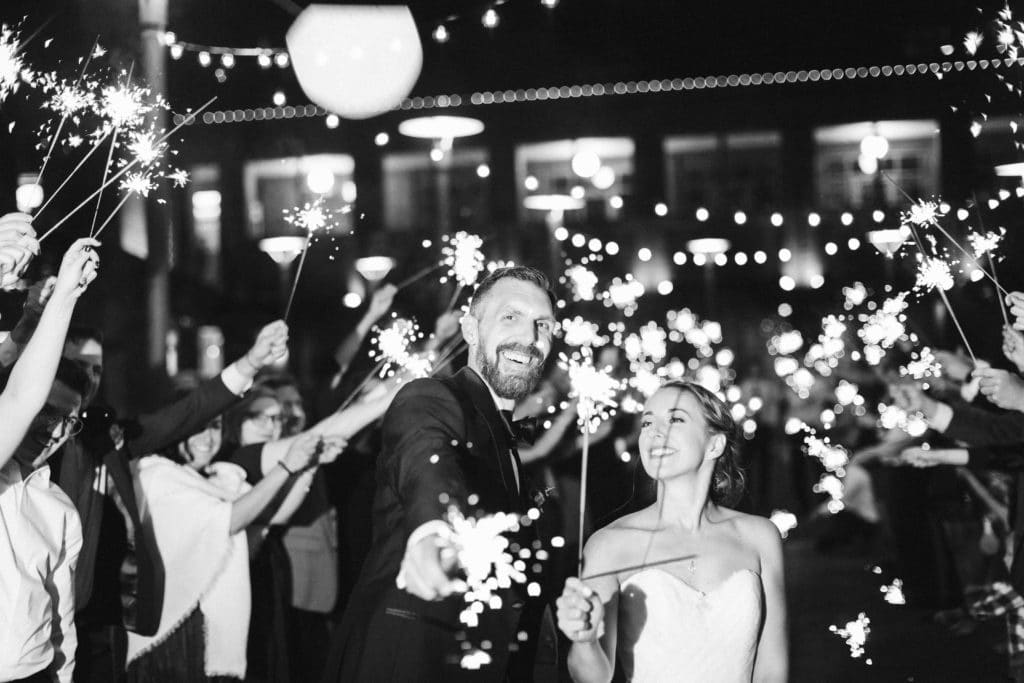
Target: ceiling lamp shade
column 888, row 241
column 357, row 61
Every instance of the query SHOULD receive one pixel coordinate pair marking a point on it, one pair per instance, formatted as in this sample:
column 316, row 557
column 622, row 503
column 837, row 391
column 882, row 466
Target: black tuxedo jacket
column 141, row 599
column 443, row 442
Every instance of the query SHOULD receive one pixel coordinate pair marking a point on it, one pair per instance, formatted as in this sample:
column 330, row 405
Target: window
column 273, row 186
column 597, row 173
column 731, row 171
column 422, row 195
column 843, row 173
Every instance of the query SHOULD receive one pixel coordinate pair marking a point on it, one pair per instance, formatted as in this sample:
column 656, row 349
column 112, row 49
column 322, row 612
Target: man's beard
column 511, row 386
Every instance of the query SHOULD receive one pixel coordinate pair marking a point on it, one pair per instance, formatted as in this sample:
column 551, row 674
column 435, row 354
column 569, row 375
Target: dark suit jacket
column 980, row 427
column 142, row 573
column 442, row 442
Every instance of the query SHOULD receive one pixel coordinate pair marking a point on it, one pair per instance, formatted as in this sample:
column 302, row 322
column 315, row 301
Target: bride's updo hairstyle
column 728, row 479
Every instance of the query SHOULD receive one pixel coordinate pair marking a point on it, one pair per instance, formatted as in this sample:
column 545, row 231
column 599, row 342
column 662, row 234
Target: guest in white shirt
column 40, row 538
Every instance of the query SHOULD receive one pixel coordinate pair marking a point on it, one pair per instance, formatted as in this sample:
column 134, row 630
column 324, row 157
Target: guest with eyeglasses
column 40, row 532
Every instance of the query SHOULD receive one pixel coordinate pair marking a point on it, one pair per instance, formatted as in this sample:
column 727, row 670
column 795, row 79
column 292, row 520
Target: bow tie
column 524, row 431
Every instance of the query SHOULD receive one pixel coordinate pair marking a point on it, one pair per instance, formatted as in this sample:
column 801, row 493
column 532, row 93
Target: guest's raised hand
column 1003, row 388
column 330, row 448
column 911, row 397
column 39, row 293
column 77, row 270
column 917, row 456
column 447, row 325
column 1015, row 300
column 1013, row 347
column 955, row 365
column 270, row 346
column 580, row 612
column 17, row 247
column 302, row 452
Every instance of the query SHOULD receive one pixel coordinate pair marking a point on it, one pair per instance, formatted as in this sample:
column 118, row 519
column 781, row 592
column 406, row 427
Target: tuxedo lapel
column 502, row 448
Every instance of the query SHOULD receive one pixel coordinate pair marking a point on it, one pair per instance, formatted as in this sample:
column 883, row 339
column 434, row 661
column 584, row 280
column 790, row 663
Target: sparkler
column 923, row 364
column 594, row 391
column 134, row 183
column 68, row 100
column 894, row 593
column 580, row 332
column 127, row 167
column 464, row 260
column 855, row 633
column 988, row 244
column 311, row 217
column 12, row 64
column 392, row 344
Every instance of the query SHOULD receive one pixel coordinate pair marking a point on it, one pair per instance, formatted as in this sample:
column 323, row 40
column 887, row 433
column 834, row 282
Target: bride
column 686, row 589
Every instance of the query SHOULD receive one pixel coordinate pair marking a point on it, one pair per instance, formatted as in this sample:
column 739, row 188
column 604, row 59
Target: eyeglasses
column 69, row 425
column 266, row 421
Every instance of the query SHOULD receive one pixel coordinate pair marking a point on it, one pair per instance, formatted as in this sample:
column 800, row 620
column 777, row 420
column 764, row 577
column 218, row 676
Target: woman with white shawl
column 198, row 513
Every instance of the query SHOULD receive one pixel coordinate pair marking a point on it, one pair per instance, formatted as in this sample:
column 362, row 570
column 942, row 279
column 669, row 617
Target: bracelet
column 285, row 468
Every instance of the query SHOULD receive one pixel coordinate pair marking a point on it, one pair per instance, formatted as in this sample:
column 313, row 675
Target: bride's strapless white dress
column 670, row 631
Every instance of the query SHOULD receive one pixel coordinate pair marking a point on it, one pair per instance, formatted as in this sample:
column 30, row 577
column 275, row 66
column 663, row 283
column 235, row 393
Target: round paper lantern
column 357, row 61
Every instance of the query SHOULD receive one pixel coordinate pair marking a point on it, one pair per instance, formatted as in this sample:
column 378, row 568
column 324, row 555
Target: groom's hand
column 427, row 569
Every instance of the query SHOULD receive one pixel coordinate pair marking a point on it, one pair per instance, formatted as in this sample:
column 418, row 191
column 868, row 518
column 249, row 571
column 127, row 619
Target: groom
column 449, row 442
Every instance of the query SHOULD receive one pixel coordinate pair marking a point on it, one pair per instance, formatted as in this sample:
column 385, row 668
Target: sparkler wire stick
column 637, row 567
column 455, row 299
column 942, row 292
column 583, row 495
column 419, row 275
column 112, row 214
column 952, row 239
column 991, row 261
column 73, row 172
column 448, row 357
column 366, row 380
column 187, row 119
column 64, row 116
column 298, row 274
column 106, row 172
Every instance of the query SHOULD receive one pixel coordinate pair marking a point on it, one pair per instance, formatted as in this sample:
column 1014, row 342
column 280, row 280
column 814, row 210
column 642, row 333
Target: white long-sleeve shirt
column 40, row 538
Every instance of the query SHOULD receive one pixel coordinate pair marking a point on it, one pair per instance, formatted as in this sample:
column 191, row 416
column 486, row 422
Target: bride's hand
column 580, row 612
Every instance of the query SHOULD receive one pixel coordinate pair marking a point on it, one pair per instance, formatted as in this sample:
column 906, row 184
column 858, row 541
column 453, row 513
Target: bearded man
column 449, row 443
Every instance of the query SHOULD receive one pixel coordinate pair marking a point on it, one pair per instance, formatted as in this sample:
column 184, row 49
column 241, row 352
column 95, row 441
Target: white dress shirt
column 40, row 538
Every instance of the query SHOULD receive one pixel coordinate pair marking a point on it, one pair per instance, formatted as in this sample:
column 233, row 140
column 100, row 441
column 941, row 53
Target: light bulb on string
column 282, row 60
column 204, row 58
column 177, row 51
column 490, row 18
column 227, row 60
column 440, row 34
column 264, row 60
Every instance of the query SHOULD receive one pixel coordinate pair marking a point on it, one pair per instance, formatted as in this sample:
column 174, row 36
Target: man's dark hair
column 80, row 334
column 524, row 273
column 72, row 375
column 69, row 372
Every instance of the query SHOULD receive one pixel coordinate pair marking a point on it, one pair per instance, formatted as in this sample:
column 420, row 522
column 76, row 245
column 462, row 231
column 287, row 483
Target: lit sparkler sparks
column 646, row 380
column 855, row 633
column 894, row 417
column 12, row 64
column 312, row 216
column 580, row 332
column 463, row 257
column 124, row 106
column 392, row 344
column 583, row 281
column 923, row 364
column 986, row 243
column 145, row 148
column 922, row 214
column 882, row 329
column 179, row 177
column 784, row 520
column 832, row 485
column 138, row 183
column 594, row 389
column 832, row 457
column 933, row 273
column 894, row 593
column 972, row 41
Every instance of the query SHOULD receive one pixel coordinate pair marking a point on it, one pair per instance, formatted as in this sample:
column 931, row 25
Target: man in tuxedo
column 449, row 442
